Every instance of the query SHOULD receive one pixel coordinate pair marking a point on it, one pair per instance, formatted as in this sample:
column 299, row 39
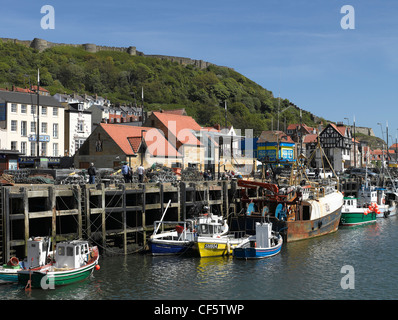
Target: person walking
column 126, row 172
column 92, row 172
column 141, row 172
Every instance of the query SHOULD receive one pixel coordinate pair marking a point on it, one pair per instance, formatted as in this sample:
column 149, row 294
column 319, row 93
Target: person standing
column 140, row 172
column 126, row 172
column 92, row 172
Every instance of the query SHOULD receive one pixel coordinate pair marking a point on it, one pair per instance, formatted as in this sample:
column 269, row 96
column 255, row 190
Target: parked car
column 361, row 172
column 322, row 174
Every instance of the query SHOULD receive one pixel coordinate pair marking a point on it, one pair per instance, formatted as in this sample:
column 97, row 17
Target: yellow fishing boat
column 213, row 238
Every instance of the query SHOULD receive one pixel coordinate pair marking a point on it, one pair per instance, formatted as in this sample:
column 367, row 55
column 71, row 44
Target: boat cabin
column 38, row 250
column 209, row 225
column 73, row 254
column 263, row 235
column 350, row 202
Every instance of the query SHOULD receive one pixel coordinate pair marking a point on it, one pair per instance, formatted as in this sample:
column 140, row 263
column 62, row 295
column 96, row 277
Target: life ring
column 13, row 262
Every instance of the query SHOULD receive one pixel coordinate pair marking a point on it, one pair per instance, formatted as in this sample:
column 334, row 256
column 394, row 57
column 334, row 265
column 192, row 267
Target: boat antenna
column 157, row 228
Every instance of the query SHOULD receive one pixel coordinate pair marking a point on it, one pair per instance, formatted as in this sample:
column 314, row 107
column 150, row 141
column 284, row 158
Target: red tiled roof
column 309, row 138
column 180, row 126
column 128, row 138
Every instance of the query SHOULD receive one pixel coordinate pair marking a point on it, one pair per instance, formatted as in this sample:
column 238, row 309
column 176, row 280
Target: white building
column 77, row 127
column 19, row 121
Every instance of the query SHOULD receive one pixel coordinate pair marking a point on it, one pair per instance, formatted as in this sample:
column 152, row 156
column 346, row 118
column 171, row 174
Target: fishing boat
column 353, row 214
column 385, row 200
column 213, row 237
column 38, row 256
column 297, row 207
column 264, row 244
column 180, row 240
column 74, row 261
column 299, row 212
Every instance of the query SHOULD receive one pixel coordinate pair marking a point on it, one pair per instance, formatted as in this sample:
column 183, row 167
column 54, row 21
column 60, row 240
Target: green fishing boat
column 75, row 261
column 352, row 214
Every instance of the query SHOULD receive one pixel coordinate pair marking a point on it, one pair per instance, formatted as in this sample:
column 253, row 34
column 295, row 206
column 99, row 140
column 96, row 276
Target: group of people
column 226, row 175
column 126, row 172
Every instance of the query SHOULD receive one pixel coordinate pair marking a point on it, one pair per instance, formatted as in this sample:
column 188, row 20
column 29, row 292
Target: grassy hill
column 167, row 85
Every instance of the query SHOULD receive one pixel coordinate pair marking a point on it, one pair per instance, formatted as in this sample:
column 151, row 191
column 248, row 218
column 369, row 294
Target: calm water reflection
column 309, row 269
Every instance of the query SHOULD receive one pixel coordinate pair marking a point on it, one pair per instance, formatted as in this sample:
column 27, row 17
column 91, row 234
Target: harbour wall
column 117, row 218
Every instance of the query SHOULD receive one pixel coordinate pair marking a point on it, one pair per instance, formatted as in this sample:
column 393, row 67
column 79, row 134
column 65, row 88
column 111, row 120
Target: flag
column 38, row 78
column 142, row 94
column 225, row 105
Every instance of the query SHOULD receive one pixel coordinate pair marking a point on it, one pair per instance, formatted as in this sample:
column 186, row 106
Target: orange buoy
column 97, row 267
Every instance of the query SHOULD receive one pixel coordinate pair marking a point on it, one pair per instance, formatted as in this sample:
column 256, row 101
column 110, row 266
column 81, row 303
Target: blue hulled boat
column 265, row 243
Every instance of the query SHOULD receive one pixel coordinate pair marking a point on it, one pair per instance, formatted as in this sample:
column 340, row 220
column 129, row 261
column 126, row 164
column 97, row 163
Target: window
column 78, row 143
column 32, row 109
column 55, row 130
column 33, row 126
column 61, row 250
column 55, row 112
column 44, row 127
column 13, row 107
column 23, row 108
column 13, row 145
column 69, row 251
column 55, row 149
column 33, row 149
column 43, row 151
column 23, row 147
column 80, row 126
column 43, row 111
column 24, row 130
column 14, row 125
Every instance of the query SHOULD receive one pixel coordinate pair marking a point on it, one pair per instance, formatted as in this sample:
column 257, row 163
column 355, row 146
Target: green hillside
column 167, row 85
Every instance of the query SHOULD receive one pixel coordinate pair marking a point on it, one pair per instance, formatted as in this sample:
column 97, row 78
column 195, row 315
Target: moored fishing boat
column 181, row 240
column 38, row 256
column 304, row 212
column 352, row 214
column 385, row 200
column 300, row 209
column 265, row 243
column 74, row 261
column 214, row 238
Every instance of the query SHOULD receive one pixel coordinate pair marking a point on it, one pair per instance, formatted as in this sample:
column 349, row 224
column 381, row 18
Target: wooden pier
column 119, row 218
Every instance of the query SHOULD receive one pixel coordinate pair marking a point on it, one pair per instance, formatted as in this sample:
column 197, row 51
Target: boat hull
column 9, row 274
column 215, row 247
column 306, row 229
column 56, row 278
column 257, row 253
column 170, row 247
column 356, row 218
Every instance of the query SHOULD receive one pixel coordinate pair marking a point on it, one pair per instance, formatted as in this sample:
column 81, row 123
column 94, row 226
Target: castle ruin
column 41, row 45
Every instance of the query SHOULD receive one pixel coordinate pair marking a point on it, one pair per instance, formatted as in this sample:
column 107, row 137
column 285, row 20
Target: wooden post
column 88, row 217
column 26, row 217
column 103, row 214
column 124, row 213
column 52, row 203
column 143, row 214
column 77, row 191
column 7, row 226
column 182, row 200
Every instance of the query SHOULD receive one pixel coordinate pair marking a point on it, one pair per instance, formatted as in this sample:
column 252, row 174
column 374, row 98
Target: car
column 322, row 175
column 361, row 172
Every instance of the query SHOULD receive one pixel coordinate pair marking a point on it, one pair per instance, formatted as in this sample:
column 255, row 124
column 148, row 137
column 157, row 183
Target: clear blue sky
column 295, row 48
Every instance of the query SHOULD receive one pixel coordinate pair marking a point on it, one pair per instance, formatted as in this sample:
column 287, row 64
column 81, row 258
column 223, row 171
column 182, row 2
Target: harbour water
column 305, row 270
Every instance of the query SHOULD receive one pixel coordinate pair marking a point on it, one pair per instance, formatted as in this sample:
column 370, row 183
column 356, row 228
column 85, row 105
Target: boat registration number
column 211, row 245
